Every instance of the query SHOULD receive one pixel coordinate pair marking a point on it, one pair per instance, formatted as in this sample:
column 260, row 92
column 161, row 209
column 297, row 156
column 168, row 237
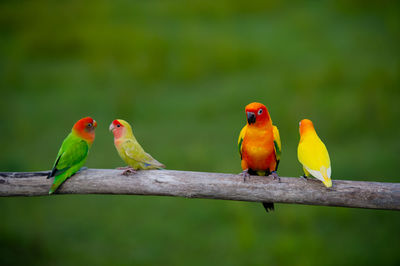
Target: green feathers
column 277, row 146
column 240, row 140
column 70, row 158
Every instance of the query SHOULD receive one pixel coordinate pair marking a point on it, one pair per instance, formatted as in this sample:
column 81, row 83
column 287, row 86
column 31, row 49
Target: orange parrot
column 259, row 145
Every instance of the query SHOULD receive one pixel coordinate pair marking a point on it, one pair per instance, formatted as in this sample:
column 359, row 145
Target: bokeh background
column 182, row 73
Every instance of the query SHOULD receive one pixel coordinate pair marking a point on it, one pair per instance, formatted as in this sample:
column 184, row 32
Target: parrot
column 312, row 154
column 73, row 152
column 130, row 150
column 259, row 145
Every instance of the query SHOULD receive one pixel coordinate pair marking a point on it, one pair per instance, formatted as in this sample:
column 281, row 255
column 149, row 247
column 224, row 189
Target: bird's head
column 257, row 114
column 305, row 125
column 120, row 128
column 85, row 128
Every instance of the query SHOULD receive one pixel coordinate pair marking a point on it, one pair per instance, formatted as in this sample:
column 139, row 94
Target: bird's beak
column 94, row 124
column 112, row 127
column 327, row 182
column 251, row 117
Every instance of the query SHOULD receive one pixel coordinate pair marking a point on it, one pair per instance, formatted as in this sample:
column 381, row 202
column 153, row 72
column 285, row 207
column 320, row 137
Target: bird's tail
column 268, row 206
column 153, row 163
column 158, row 166
column 327, row 181
column 58, row 180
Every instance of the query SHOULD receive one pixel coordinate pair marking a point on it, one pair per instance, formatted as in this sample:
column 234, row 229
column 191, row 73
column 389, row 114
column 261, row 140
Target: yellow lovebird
column 130, row 150
column 313, row 154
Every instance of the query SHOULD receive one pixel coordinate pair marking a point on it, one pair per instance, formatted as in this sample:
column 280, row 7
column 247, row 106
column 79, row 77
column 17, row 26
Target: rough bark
column 372, row 195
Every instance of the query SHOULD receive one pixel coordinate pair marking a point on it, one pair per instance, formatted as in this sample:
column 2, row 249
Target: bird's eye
column 260, row 111
column 118, row 125
column 89, row 125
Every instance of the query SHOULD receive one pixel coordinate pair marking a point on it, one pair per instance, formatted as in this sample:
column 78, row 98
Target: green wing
column 135, row 152
column 70, row 159
column 73, row 151
column 240, row 140
column 277, row 145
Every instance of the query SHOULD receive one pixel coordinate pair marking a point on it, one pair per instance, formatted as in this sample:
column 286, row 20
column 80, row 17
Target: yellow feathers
column 277, row 143
column 240, row 139
column 129, row 148
column 313, row 155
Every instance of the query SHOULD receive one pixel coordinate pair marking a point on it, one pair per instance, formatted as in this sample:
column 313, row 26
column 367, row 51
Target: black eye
column 118, row 125
column 260, row 111
column 89, row 125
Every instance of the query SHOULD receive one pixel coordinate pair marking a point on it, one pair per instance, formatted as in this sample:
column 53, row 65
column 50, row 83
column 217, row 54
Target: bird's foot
column 245, row 174
column 127, row 170
column 82, row 169
column 304, row 177
column 275, row 176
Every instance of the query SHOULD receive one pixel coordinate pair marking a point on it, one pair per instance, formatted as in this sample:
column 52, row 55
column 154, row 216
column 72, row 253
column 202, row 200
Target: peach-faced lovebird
column 313, row 154
column 130, row 150
column 259, row 145
column 73, row 152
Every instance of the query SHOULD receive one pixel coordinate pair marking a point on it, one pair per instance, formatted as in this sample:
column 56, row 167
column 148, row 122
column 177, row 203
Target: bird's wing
column 72, row 152
column 321, row 174
column 277, row 144
column 314, row 156
column 135, row 152
column 240, row 139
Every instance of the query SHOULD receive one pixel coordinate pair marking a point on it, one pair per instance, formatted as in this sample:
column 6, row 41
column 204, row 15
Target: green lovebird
column 73, row 152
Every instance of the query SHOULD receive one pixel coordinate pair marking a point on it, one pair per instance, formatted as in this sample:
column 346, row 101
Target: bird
column 259, row 145
column 73, row 152
column 312, row 154
column 130, row 150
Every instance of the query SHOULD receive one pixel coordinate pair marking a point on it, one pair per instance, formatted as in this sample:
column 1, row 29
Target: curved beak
column 94, row 124
column 111, row 128
column 251, row 117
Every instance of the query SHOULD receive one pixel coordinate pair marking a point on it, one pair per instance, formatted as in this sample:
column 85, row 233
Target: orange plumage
column 259, row 145
column 258, row 148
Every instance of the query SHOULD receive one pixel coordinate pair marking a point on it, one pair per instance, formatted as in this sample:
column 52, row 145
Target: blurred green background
column 182, row 74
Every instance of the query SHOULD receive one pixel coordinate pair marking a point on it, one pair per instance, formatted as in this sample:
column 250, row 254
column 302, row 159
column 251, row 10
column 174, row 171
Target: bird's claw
column 245, row 174
column 129, row 171
column 304, row 177
column 275, row 176
column 82, row 169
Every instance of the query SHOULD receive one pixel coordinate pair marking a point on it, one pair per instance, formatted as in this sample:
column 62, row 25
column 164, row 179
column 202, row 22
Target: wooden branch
column 372, row 195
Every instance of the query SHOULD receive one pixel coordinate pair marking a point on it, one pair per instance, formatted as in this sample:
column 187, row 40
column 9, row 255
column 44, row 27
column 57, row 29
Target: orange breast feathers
column 258, row 152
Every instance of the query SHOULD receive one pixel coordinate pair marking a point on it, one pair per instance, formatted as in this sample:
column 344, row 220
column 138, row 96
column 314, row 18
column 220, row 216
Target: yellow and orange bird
column 312, row 154
column 259, row 145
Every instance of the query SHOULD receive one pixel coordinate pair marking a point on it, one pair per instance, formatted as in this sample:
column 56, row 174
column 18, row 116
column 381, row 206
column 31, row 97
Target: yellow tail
column 327, row 181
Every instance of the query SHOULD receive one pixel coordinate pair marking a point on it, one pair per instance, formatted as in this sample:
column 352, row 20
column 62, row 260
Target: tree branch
column 371, row 195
